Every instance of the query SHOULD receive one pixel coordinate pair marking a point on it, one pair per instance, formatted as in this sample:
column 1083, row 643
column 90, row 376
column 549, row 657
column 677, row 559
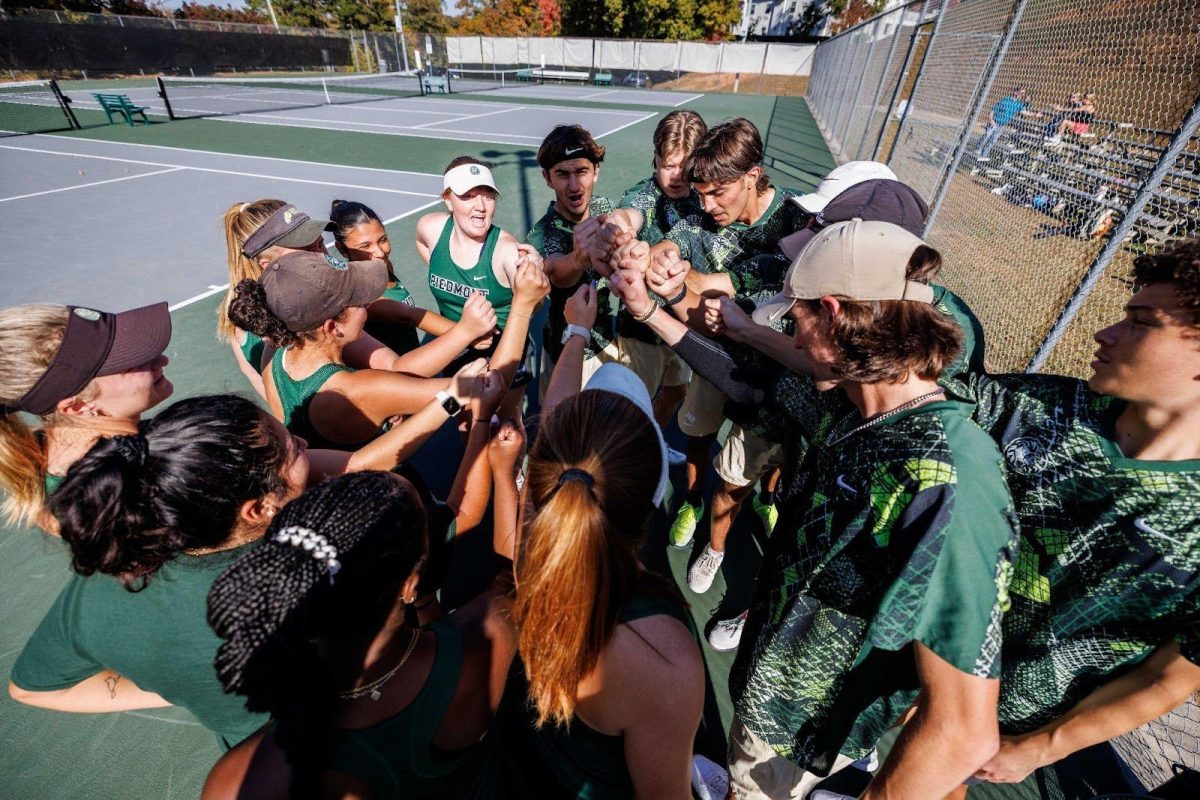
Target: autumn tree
column 214, row 13
column 848, row 13
column 425, row 16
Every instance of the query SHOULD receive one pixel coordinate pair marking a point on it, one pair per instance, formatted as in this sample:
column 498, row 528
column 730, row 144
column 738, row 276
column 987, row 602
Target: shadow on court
column 793, row 148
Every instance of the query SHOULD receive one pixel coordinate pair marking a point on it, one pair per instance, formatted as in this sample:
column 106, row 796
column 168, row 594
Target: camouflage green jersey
column 1109, row 564
column 661, row 213
column 554, row 235
column 712, row 249
column 902, row 532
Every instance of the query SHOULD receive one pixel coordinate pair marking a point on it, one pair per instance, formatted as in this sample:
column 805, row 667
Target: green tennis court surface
column 119, row 216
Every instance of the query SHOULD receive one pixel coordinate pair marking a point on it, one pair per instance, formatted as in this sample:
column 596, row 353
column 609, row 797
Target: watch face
column 452, row 406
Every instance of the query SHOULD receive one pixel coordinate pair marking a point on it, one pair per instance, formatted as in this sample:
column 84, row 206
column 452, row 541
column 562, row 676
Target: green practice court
column 146, row 227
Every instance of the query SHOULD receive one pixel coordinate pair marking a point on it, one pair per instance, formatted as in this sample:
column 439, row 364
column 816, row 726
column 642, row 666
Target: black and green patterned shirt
column 554, row 235
column 901, row 532
column 1109, row 563
column 661, row 213
column 712, row 249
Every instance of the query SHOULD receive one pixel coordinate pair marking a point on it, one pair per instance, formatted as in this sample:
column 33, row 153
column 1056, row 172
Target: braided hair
column 277, row 604
column 133, row 503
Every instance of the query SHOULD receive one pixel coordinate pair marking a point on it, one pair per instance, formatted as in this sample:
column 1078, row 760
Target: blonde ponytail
column 30, row 337
column 240, row 221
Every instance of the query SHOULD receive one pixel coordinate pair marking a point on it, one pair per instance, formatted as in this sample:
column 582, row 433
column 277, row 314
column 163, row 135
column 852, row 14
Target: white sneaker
column 728, row 633
column 705, row 568
column 825, row 794
column 869, row 762
column 709, row 781
column 675, row 458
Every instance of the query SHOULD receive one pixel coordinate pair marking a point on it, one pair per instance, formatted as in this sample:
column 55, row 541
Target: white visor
column 466, row 177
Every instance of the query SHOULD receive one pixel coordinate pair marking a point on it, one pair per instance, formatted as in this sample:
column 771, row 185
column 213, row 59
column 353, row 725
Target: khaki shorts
column 745, row 457
column 756, row 772
column 703, row 409
column 656, row 364
column 609, row 355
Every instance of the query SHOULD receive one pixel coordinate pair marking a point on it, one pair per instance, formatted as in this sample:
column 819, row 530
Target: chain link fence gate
column 1054, row 142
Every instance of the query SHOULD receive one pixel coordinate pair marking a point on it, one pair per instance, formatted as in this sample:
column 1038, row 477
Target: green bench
column 602, row 79
column 525, row 75
column 434, row 83
column 120, row 104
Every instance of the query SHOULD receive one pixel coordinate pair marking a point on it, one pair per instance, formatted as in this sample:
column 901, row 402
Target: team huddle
column 997, row 570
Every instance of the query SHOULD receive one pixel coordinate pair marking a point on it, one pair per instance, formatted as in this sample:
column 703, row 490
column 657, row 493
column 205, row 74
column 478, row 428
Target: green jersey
column 900, row 532
column 1107, row 569
column 661, row 213
column 399, row 337
column 452, row 284
column 158, row 638
column 554, row 235
column 712, row 249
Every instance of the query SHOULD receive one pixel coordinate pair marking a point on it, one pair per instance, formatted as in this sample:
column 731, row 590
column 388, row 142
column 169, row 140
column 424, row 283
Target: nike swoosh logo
column 571, row 152
column 841, row 482
column 1141, row 524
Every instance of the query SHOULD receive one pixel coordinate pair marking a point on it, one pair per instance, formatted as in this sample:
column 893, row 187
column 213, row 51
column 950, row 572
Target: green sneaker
column 685, row 524
column 769, row 514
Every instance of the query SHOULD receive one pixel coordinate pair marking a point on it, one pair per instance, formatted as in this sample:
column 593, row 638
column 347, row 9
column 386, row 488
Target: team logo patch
column 474, row 170
column 289, row 215
column 337, row 263
column 88, row 314
column 1025, row 455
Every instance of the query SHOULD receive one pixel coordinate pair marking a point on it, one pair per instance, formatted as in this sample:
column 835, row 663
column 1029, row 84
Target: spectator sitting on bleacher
column 1076, row 121
column 1003, row 112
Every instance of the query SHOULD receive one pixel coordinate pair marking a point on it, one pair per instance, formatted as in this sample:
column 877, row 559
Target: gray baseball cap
column 305, row 289
column 856, row 259
column 287, row 227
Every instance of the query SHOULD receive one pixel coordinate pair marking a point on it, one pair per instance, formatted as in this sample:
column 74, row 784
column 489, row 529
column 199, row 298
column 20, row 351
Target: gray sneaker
column 728, row 633
column 709, row 781
column 704, row 569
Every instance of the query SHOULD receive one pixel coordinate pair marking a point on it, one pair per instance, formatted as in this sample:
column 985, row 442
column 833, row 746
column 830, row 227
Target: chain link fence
column 1054, row 141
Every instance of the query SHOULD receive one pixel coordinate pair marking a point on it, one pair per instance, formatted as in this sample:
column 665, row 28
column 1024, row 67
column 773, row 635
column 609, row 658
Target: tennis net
column 214, row 97
column 485, row 80
column 34, row 107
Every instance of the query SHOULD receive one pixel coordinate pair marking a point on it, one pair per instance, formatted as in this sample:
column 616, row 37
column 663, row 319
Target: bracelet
column 512, row 313
column 647, row 315
column 677, row 298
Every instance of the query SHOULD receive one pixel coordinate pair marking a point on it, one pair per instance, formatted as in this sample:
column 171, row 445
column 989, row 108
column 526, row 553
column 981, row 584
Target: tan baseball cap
column 856, row 259
column 305, row 289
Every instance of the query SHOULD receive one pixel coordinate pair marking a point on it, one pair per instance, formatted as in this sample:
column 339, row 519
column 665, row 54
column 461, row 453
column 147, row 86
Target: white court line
column 627, row 124
column 687, row 100
column 598, row 94
column 470, row 116
column 420, row 133
column 239, row 155
column 93, row 183
column 217, row 171
column 215, row 289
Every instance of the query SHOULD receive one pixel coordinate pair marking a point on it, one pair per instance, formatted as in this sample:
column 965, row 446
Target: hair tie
column 576, row 474
column 134, row 449
column 316, row 545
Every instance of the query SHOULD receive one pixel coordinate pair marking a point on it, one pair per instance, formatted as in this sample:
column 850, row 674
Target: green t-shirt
column 554, row 235
column 713, row 249
column 158, row 638
column 902, row 532
column 1107, row 568
column 661, row 213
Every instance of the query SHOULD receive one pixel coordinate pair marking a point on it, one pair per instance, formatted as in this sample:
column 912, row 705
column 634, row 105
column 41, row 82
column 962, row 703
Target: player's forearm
column 567, row 378
column 473, row 482
column 1164, row 681
column 387, row 451
column 432, row 357
column 933, row 755
column 668, row 328
column 780, row 347
column 564, row 269
column 507, row 357
column 103, row 692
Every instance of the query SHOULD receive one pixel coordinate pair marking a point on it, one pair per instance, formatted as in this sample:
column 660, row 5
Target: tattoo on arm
column 111, row 683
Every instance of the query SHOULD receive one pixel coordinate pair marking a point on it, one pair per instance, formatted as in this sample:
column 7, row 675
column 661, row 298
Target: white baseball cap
column 856, row 259
column 466, row 177
column 841, row 179
column 621, row 380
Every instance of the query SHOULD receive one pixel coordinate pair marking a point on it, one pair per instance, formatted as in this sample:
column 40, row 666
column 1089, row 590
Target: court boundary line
column 217, row 171
column 224, row 287
column 688, row 100
column 93, row 183
column 234, row 155
column 627, row 124
column 469, row 116
column 416, row 133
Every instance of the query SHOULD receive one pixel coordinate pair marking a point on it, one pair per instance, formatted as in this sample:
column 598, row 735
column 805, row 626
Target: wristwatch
column 576, row 330
column 450, row 405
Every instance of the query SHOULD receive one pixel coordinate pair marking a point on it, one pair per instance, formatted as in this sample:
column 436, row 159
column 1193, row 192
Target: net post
column 162, row 92
column 64, row 102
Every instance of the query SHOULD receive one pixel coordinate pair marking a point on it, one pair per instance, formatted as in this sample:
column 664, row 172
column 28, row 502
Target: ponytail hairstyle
column 590, row 489
column 133, row 503
column 346, row 215
column 30, row 337
column 240, row 222
column 887, row 340
column 280, row 610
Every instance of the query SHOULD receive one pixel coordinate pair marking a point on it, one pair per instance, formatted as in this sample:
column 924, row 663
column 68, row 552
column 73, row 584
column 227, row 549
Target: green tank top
column 451, row 284
column 581, row 762
column 252, row 349
column 397, row 757
column 52, row 483
column 398, row 337
column 295, row 397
